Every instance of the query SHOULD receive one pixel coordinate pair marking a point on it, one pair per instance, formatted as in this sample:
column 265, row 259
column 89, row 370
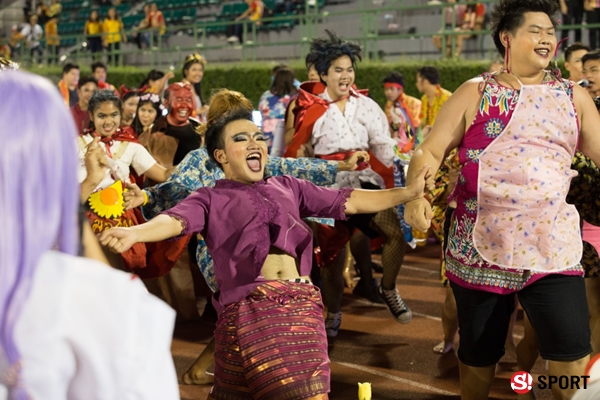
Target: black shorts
column 363, row 221
column 556, row 306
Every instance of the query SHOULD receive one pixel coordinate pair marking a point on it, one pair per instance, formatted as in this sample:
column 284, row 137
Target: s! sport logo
column 522, row 382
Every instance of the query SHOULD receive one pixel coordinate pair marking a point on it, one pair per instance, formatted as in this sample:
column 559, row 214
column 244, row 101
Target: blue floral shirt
column 197, row 170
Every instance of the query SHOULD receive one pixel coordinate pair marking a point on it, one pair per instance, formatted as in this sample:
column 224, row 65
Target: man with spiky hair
column 338, row 120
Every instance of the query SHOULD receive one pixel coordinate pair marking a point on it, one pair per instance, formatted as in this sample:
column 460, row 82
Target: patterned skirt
column 272, row 345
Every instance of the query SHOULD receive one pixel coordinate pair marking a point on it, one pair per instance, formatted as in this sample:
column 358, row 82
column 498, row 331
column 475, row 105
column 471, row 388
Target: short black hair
column 214, row 133
column 509, row 15
column 430, row 73
column 573, row 48
column 103, row 96
column 85, row 80
column 98, row 64
column 68, row 67
column 394, row 77
column 326, row 51
column 592, row 55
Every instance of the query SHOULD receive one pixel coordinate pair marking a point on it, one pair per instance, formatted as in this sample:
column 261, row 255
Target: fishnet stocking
column 388, row 224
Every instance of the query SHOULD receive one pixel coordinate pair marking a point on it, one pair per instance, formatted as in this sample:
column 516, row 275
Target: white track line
column 397, row 379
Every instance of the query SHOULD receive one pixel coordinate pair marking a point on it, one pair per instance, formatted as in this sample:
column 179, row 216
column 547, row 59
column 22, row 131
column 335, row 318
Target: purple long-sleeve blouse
column 241, row 222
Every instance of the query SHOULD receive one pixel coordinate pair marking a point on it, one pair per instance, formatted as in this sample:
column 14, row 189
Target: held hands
column 359, row 160
column 118, row 240
column 417, row 212
column 96, row 162
column 134, row 197
column 396, row 117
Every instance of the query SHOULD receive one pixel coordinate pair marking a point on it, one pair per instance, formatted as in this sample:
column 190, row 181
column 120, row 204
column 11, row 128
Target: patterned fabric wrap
column 272, row 109
column 133, row 258
column 464, row 264
column 272, row 345
column 197, row 170
column 584, row 194
column 400, row 181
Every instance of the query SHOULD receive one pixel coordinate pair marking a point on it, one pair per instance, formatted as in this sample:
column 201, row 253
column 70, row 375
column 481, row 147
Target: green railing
column 309, row 24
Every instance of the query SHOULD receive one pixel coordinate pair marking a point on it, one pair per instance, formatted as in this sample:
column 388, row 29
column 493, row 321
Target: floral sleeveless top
column 464, row 265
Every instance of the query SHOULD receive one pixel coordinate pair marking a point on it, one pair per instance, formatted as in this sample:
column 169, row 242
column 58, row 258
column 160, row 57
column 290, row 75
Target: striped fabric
column 272, row 345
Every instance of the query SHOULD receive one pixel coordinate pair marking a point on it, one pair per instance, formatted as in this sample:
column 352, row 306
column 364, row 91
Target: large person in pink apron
column 513, row 232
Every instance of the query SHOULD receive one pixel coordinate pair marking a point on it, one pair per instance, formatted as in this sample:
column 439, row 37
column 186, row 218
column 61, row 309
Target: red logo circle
column 521, row 382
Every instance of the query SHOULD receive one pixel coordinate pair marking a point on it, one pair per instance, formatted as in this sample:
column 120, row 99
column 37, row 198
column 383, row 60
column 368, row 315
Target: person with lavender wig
column 69, row 326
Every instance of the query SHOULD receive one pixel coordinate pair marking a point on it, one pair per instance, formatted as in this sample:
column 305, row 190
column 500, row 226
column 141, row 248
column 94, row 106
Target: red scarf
column 125, row 134
column 309, row 108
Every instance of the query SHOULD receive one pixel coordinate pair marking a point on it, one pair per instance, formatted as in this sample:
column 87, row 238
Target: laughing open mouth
column 254, row 161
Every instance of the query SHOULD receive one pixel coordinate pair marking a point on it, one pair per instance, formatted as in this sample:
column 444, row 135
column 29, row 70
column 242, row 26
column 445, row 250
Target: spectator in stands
column 454, row 12
column 68, row 84
column 193, row 72
column 403, row 111
column 143, row 37
column 32, row 33
column 52, row 39
column 474, row 20
column 85, row 89
column 434, row 96
column 99, row 71
column 573, row 56
column 15, row 40
column 41, row 10
column 156, row 21
column 592, row 8
column 253, row 14
column 4, row 49
column 93, row 31
column 572, row 14
column 114, row 34
column 54, row 9
column 273, row 105
column 284, row 6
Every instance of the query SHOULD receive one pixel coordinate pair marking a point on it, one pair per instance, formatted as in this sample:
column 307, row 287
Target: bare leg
column 475, row 382
column 437, row 42
column 347, row 264
column 196, row 374
column 592, row 289
column 449, row 323
column 571, row 368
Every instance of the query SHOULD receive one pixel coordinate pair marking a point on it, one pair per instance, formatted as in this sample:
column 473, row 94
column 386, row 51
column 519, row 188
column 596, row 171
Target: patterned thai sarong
column 272, row 345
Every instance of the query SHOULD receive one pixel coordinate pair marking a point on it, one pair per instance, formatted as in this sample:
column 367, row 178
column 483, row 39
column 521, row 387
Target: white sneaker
column 233, row 39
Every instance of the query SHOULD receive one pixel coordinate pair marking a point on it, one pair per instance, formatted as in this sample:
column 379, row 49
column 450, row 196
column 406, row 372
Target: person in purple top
column 270, row 336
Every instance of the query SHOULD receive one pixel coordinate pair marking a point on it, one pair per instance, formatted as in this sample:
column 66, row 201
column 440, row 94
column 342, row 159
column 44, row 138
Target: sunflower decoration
column 108, row 203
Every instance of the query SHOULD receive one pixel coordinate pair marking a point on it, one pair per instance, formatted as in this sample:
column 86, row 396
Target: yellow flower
column 364, row 391
column 108, row 203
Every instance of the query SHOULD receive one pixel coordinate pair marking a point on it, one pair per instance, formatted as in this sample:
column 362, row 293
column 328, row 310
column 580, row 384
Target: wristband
column 145, row 198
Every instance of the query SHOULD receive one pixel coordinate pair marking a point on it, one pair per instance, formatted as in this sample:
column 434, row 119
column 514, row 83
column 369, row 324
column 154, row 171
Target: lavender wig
column 38, row 192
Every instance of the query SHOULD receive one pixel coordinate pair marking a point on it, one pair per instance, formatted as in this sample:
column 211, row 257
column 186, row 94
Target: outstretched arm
column 373, row 201
column 160, row 228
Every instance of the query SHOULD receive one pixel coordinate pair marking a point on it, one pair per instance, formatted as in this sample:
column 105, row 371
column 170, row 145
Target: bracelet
column 145, row 198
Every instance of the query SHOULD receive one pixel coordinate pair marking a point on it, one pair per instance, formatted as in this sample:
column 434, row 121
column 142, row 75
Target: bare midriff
column 280, row 265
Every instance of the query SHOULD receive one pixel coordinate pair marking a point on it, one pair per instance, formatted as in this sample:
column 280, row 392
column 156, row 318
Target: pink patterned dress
column 512, row 225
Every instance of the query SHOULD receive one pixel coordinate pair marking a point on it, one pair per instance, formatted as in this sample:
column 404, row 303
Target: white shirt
column 32, row 34
column 124, row 155
column 362, row 126
column 88, row 331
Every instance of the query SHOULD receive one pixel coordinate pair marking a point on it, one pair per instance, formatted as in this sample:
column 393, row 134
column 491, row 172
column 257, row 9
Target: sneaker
column 399, row 309
column 332, row 323
column 233, row 39
column 368, row 291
